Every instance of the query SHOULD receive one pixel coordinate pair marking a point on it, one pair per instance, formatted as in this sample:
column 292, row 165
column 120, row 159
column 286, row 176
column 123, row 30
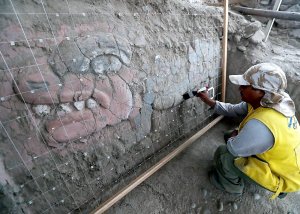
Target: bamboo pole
column 133, row 184
column 268, row 13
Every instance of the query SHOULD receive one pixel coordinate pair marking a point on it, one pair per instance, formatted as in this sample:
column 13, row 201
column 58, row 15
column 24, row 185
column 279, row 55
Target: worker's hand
column 204, row 96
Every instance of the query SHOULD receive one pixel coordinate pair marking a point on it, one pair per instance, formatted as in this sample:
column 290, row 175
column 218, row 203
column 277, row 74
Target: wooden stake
column 224, row 57
column 271, row 22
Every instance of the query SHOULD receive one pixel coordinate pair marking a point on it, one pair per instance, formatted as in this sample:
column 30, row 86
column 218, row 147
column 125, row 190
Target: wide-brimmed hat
column 271, row 79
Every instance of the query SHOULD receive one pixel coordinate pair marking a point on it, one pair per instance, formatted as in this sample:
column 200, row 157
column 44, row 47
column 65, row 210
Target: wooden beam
column 268, row 13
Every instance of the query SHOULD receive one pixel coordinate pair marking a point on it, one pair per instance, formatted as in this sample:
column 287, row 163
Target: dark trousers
column 226, row 173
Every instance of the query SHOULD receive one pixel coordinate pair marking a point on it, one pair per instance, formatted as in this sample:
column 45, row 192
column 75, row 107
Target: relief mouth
column 71, row 121
column 77, row 124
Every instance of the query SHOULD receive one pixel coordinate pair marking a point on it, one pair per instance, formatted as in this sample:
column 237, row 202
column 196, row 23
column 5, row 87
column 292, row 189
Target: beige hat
column 271, row 79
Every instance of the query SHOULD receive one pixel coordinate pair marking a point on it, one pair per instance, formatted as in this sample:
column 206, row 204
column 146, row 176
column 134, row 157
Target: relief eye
column 37, row 85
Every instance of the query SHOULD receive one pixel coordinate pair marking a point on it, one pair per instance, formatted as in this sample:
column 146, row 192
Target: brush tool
column 193, row 93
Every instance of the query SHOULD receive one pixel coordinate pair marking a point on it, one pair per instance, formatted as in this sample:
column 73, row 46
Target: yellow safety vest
column 277, row 169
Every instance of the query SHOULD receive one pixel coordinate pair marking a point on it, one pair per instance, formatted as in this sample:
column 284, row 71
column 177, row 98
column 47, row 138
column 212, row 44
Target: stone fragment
column 235, row 206
column 118, row 15
column 220, row 206
column 237, row 38
column 91, row 103
column 241, row 48
column 157, row 59
column 41, row 110
column 251, row 29
column 257, row 196
column 257, row 37
column 79, row 105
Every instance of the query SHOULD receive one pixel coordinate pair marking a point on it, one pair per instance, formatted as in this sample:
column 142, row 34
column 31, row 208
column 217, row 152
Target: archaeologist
column 265, row 149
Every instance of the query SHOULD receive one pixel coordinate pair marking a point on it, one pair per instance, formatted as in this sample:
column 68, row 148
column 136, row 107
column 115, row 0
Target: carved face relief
column 87, row 90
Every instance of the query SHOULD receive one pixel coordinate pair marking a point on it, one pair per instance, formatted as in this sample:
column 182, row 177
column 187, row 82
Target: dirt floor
column 182, row 186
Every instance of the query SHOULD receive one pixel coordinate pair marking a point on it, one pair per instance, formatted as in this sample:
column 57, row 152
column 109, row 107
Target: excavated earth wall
column 91, row 89
column 247, row 47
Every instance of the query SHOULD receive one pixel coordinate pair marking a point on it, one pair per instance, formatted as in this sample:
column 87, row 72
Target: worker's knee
column 220, row 151
column 223, row 157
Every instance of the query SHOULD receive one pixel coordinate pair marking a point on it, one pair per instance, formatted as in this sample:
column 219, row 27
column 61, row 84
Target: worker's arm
column 231, row 110
column 254, row 138
column 226, row 109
